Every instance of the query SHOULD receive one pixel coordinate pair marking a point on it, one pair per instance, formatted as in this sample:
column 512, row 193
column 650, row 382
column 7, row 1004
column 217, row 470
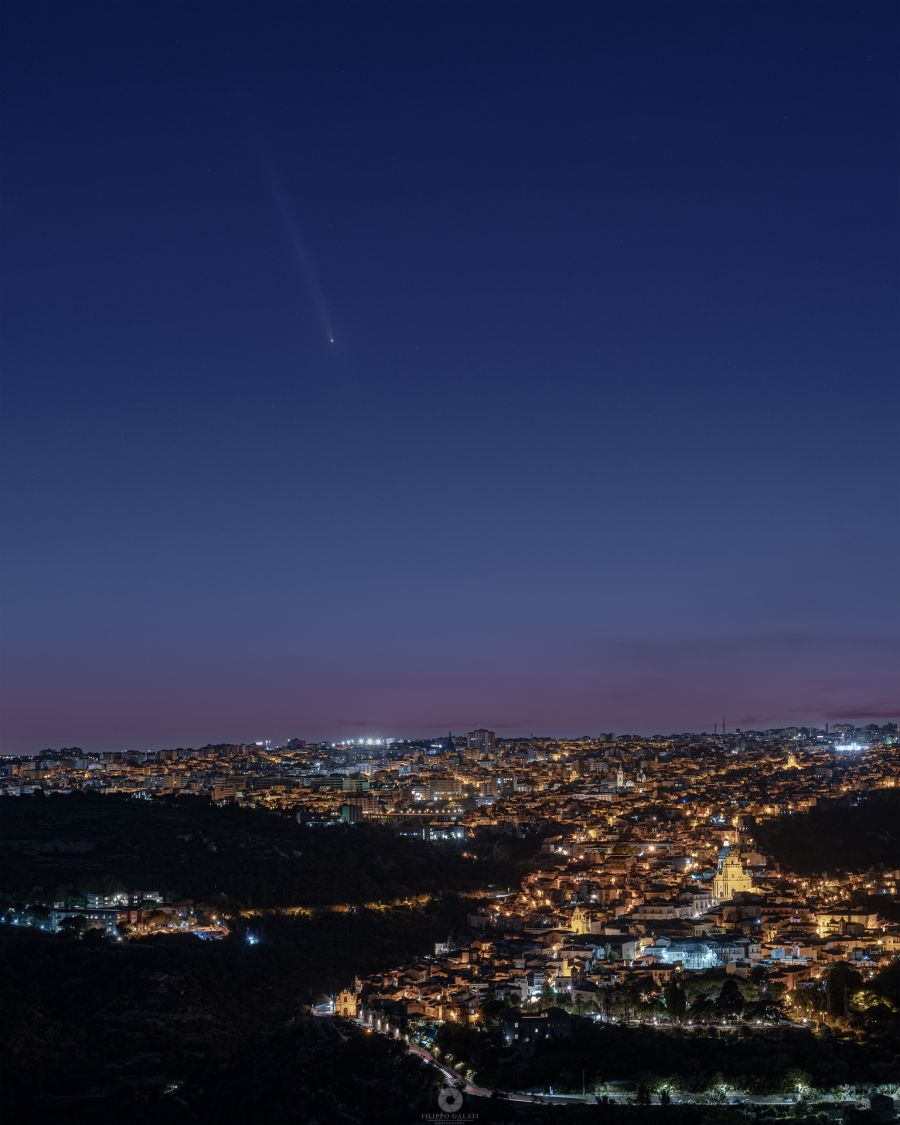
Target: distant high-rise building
column 481, row 739
column 351, row 812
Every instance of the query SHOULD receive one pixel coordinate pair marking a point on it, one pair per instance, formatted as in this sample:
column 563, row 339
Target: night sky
column 606, row 438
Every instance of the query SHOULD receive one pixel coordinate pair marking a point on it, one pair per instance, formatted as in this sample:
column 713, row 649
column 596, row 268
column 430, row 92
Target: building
column 731, row 879
column 351, row 812
column 522, row 1029
column 100, row 901
column 697, row 954
column 581, row 921
column 483, row 740
column 96, row 919
column 346, row 1004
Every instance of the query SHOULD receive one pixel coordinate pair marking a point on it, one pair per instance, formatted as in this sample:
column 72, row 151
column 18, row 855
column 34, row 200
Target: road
column 623, row 1098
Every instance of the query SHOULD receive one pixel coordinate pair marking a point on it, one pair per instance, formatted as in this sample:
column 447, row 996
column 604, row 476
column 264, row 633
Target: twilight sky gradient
column 607, row 436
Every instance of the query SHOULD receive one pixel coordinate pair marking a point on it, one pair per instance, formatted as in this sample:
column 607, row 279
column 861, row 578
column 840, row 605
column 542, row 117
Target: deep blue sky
column 607, row 435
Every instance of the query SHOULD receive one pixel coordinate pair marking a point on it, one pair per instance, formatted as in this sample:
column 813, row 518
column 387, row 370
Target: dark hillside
column 190, row 848
column 837, row 837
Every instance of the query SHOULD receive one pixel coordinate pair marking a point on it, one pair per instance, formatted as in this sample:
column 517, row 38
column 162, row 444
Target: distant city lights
column 362, row 742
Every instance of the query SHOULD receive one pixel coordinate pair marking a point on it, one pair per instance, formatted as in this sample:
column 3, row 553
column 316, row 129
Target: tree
column 74, row 925
column 797, row 1082
column 676, row 1002
column 758, row 976
column 40, row 914
column 501, row 852
column 842, row 983
column 730, row 1001
column 702, row 1009
column 490, row 1010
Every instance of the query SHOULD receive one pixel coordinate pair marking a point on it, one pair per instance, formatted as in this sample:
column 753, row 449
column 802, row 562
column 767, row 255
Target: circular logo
column 450, row 1099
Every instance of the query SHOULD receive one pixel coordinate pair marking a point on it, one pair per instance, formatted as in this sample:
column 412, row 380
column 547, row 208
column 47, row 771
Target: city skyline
column 438, row 735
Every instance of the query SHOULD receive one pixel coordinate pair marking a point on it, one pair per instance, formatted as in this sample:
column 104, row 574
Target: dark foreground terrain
column 174, row 1029
column 96, row 1029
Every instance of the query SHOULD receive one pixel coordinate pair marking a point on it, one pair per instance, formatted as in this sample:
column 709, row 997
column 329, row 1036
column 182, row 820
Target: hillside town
column 655, row 875
column 649, row 866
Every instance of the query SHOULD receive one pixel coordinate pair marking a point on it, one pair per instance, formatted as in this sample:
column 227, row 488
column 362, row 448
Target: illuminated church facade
column 731, row 879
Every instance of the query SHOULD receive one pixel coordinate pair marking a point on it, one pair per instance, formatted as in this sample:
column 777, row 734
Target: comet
column 302, row 257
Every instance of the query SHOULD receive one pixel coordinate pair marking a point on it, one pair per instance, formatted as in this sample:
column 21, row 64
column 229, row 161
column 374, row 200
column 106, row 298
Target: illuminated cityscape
column 449, row 602
column 656, row 893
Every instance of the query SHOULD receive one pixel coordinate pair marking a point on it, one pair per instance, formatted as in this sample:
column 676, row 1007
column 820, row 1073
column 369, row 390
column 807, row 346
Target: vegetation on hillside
column 81, row 1017
column 680, row 1061
column 837, row 837
column 187, row 847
